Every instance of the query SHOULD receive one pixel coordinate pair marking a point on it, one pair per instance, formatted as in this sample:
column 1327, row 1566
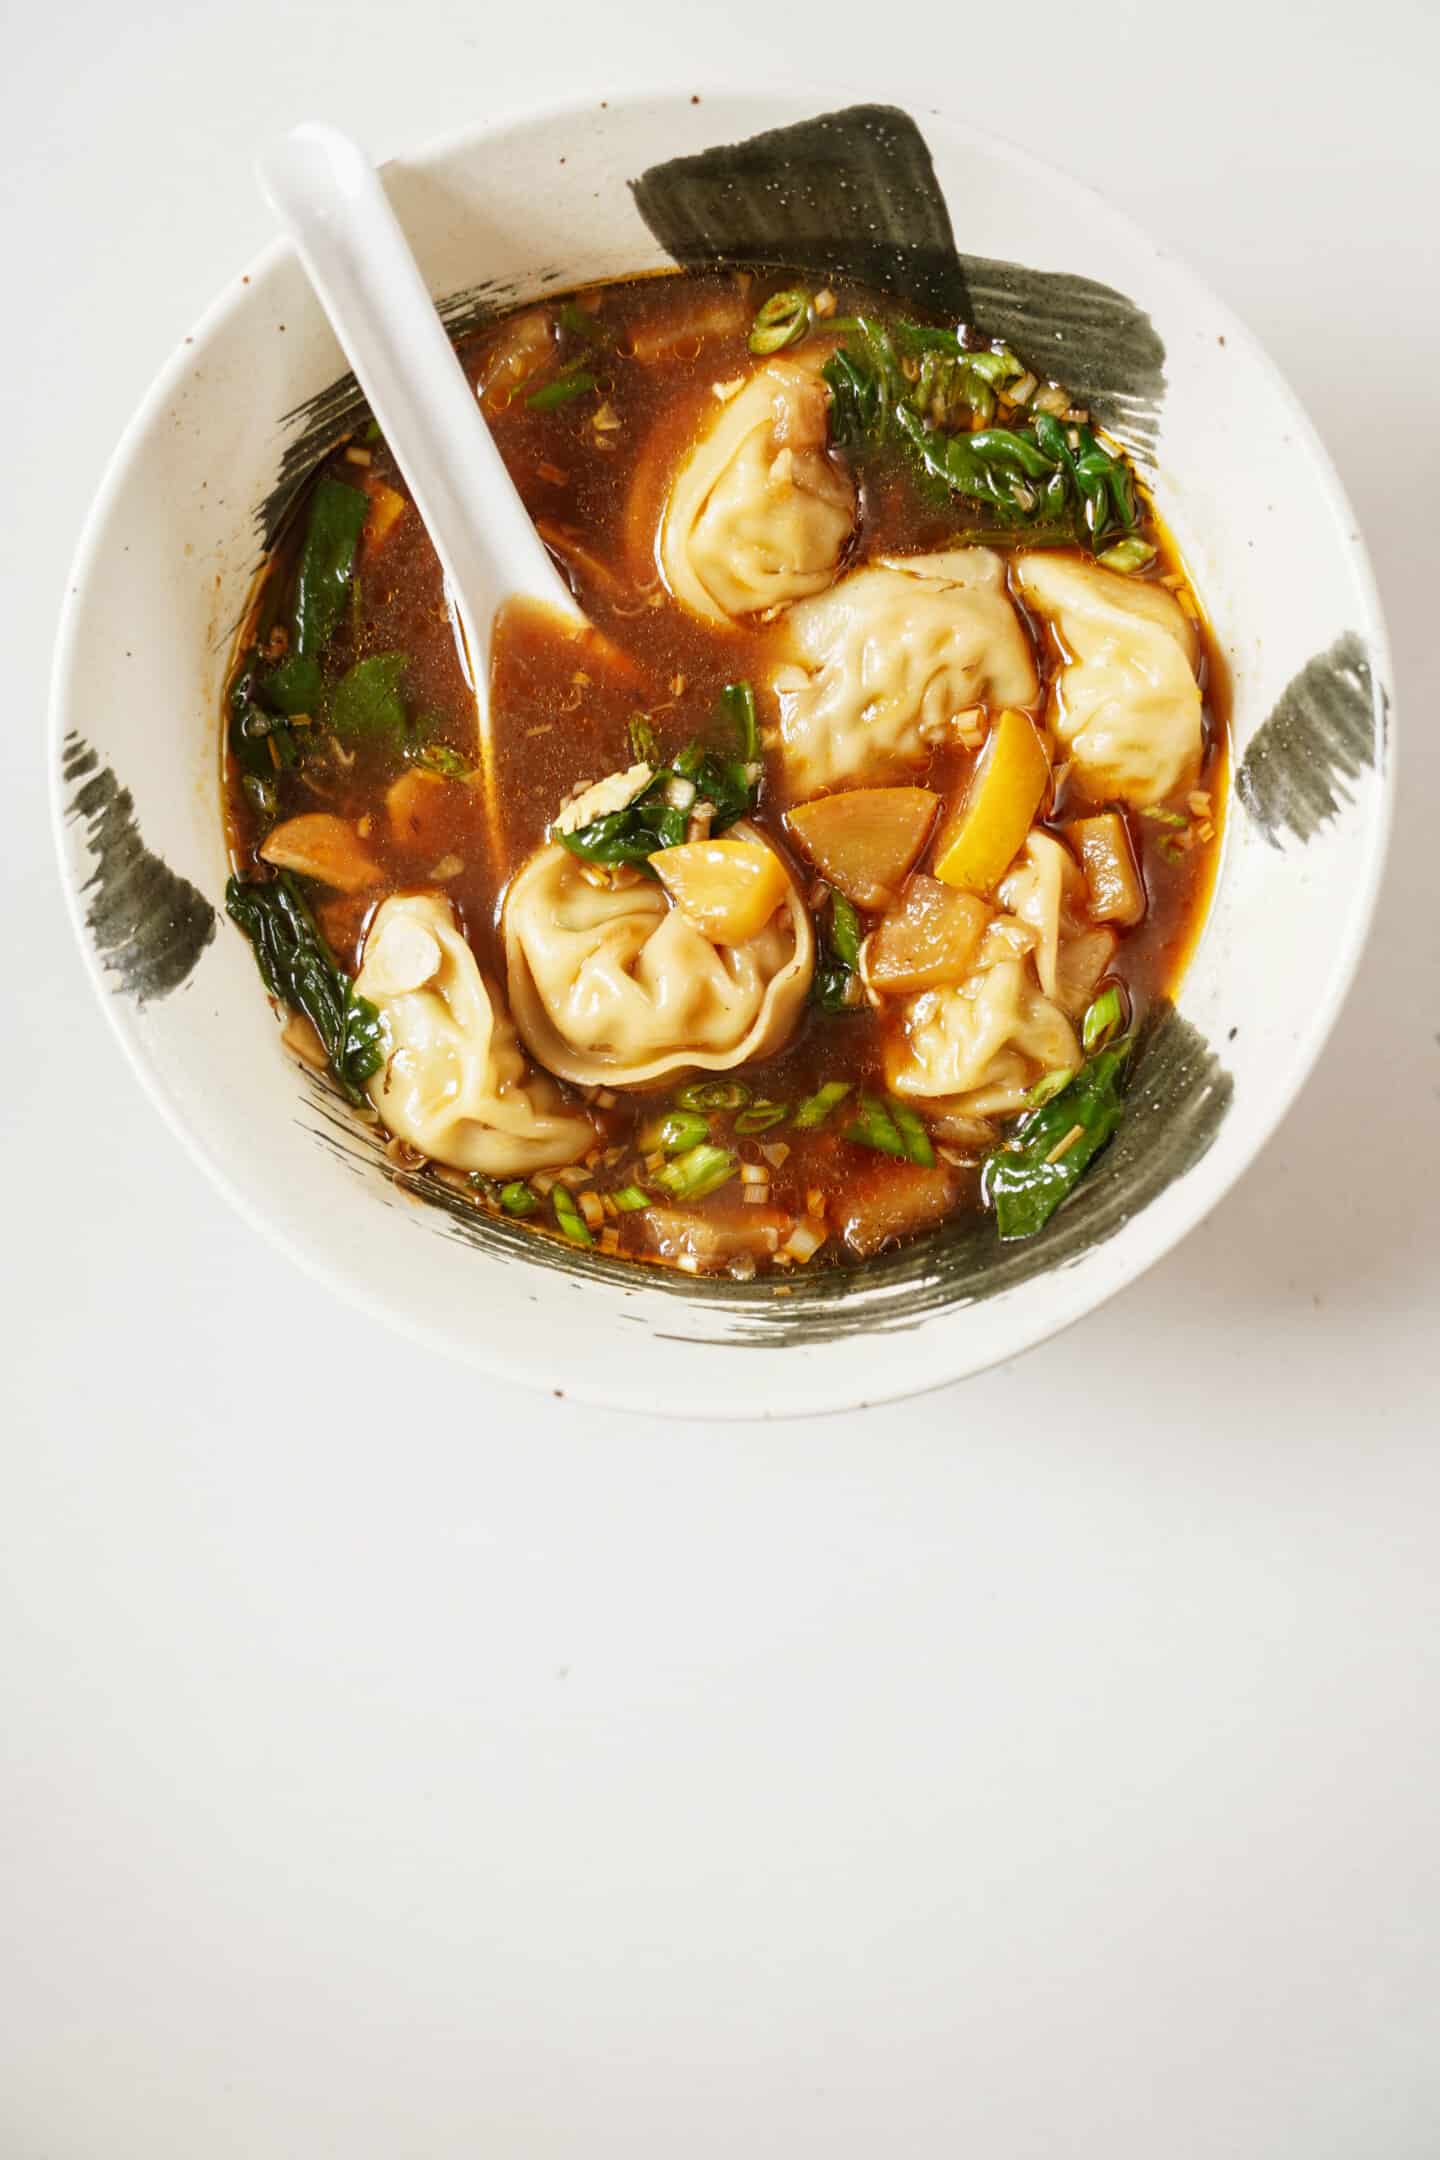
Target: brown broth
column 561, row 705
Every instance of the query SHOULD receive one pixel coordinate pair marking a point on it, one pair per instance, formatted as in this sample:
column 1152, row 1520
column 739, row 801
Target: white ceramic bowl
column 172, row 545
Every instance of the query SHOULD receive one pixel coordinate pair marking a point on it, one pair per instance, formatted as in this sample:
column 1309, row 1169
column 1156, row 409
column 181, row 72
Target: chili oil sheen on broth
column 819, row 889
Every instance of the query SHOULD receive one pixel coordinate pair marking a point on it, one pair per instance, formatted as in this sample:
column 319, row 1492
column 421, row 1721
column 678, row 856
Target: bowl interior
column 918, row 203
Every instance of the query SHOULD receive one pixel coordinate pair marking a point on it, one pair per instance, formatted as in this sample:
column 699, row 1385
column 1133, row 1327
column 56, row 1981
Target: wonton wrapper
column 1126, row 703
column 759, row 512
column 1045, row 889
column 880, row 667
column 981, row 1045
column 455, row 1082
column 613, row 986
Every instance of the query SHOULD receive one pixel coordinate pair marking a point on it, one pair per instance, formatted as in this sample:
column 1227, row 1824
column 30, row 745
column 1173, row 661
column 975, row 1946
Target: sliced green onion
column 260, row 794
column 844, row 930
column 874, row 1127
column 815, row 1109
column 630, row 1197
column 761, row 1116
column 440, row 758
column 912, row 1132
column 578, row 322
column 1127, row 556
column 737, row 705
column 644, row 742
column 995, row 368
column 1164, row 817
column 556, row 393
column 683, row 1129
column 1105, row 1018
column 714, row 1095
column 783, row 320
column 675, row 1131
column 518, row 1198
column 700, row 1170
column 568, row 1216
column 1048, row 1086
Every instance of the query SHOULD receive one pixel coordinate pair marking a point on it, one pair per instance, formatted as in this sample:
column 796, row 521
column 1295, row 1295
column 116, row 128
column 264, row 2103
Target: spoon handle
column 328, row 197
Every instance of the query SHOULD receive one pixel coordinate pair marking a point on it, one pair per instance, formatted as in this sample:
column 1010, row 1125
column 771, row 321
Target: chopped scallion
column 579, row 323
column 782, row 320
column 874, row 1127
column 814, row 1111
column 714, row 1095
column 761, row 1116
column 675, row 1131
column 518, row 1198
column 845, row 930
column 439, row 758
column 918, row 1148
column 1127, row 556
column 700, row 1170
column 571, row 1222
column 1048, row 1086
column 260, row 794
column 644, row 742
column 1105, row 1017
column 560, row 392
column 628, row 1198
column 737, row 705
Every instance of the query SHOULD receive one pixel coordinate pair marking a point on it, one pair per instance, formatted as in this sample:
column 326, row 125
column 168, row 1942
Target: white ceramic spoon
column 328, row 197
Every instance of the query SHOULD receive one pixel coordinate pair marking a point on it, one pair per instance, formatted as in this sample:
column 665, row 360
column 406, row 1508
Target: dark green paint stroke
column 1102, row 346
column 149, row 925
column 854, row 193
column 849, row 193
column 1326, row 729
column 1177, row 1102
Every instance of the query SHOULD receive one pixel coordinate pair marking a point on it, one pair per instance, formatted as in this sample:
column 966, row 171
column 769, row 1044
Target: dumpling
column 759, row 513
column 455, row 1082
column 982, row 1045
column 878, row 669
column 611, row 984
column 1126, row 704
column 1045, row 890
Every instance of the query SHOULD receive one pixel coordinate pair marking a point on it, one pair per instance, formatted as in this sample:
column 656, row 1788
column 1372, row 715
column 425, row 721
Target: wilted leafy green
column 366, row 706
column 1045, row 479
column 1043, row 1161
column 298, row 967
column 327, row 558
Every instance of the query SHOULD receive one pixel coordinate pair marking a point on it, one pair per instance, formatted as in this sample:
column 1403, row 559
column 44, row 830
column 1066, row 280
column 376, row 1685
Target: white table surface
column 399, row 1765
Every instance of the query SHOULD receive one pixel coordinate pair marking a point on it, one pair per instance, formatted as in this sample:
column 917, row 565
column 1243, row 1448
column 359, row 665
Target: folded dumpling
column 982, row 1045
column 613, row 984
column 455, row 1082
column 876, row 671
column 1044, row 889
column 760, row 512
column 1126, row 703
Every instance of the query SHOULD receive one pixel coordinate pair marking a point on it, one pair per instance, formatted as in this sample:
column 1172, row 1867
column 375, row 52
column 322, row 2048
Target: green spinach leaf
column 1028, row 1176
column 367, row 706
column 327, row 558
column 297, row 966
